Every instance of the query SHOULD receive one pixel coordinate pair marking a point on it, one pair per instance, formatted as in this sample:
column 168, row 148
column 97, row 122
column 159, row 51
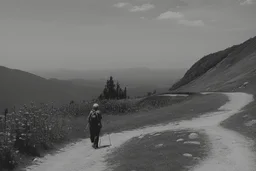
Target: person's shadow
column 104, row 146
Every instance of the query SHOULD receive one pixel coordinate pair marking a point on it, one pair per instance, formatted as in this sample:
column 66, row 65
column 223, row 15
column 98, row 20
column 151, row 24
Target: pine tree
column 154, row 92
column 121, row 93
column 111, row 88
column 101, row 97
column 105, row 93
column 112, row 91
column 118, row 90
column 125, row 93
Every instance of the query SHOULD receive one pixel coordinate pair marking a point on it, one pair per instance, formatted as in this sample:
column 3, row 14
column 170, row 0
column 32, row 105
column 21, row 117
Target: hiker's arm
column 100, row 118
column 88, row 118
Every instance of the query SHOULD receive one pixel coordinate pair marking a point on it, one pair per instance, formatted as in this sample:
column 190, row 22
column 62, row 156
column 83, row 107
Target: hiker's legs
column 96, row 138
column 92, row 134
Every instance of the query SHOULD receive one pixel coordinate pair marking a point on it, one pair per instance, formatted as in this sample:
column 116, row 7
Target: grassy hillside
column 235, row 71
column 18, row 87
column 232, row 69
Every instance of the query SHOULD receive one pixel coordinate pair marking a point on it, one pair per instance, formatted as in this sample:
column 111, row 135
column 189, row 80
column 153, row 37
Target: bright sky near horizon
column 96, row 34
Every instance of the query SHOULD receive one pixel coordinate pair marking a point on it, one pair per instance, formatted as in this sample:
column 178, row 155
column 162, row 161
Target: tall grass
column 34, row 128
column 30, row 129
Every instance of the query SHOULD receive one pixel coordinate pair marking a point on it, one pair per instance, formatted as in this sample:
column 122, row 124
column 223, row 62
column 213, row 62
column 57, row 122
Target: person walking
column 95, row 125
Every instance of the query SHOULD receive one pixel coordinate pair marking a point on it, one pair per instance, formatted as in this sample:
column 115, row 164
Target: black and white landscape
column 174, row 80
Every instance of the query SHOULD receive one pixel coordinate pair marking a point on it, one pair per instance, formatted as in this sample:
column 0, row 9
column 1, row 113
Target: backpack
column 94, row 118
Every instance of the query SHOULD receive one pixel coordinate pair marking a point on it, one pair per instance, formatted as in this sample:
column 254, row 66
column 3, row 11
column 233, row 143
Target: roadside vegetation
column 35, row 128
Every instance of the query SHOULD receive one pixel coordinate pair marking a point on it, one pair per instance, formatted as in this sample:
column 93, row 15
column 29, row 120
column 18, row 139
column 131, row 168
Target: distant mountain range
column 61, row 86
column 130, row 76
column 232, row 69
column 139, row 81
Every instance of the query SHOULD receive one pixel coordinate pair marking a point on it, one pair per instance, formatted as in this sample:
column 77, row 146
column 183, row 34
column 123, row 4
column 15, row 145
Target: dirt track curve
column 230, row 151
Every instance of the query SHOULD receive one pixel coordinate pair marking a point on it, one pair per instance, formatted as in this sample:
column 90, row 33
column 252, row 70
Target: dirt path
column 230, row 150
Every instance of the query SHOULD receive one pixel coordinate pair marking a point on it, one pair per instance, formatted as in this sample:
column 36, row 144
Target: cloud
column 121, row 4
column 247, row 2
column 193, row 23
column 180, row 18
column 170, row 15
column 144, row 7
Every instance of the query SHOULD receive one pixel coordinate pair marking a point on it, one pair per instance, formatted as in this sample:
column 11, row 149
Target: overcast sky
column 92, row 34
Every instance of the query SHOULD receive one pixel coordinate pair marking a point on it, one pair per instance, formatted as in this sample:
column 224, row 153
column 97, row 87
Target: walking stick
column 99, row 141
column 109, row 140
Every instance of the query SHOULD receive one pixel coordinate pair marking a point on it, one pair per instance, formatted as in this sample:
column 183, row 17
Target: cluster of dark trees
column 113, row 91
column 151, row 93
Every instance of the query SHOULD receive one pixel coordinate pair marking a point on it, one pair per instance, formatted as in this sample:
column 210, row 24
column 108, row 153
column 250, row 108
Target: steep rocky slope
column 233, row 69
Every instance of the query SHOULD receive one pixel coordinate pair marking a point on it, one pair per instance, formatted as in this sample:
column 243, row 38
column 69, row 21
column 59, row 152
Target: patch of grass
column 154, row 102
column 158, row 152
column 244, row 122
column 127, row 106
column 187, row 109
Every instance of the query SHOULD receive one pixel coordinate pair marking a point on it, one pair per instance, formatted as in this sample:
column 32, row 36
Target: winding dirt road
column 230, row 151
